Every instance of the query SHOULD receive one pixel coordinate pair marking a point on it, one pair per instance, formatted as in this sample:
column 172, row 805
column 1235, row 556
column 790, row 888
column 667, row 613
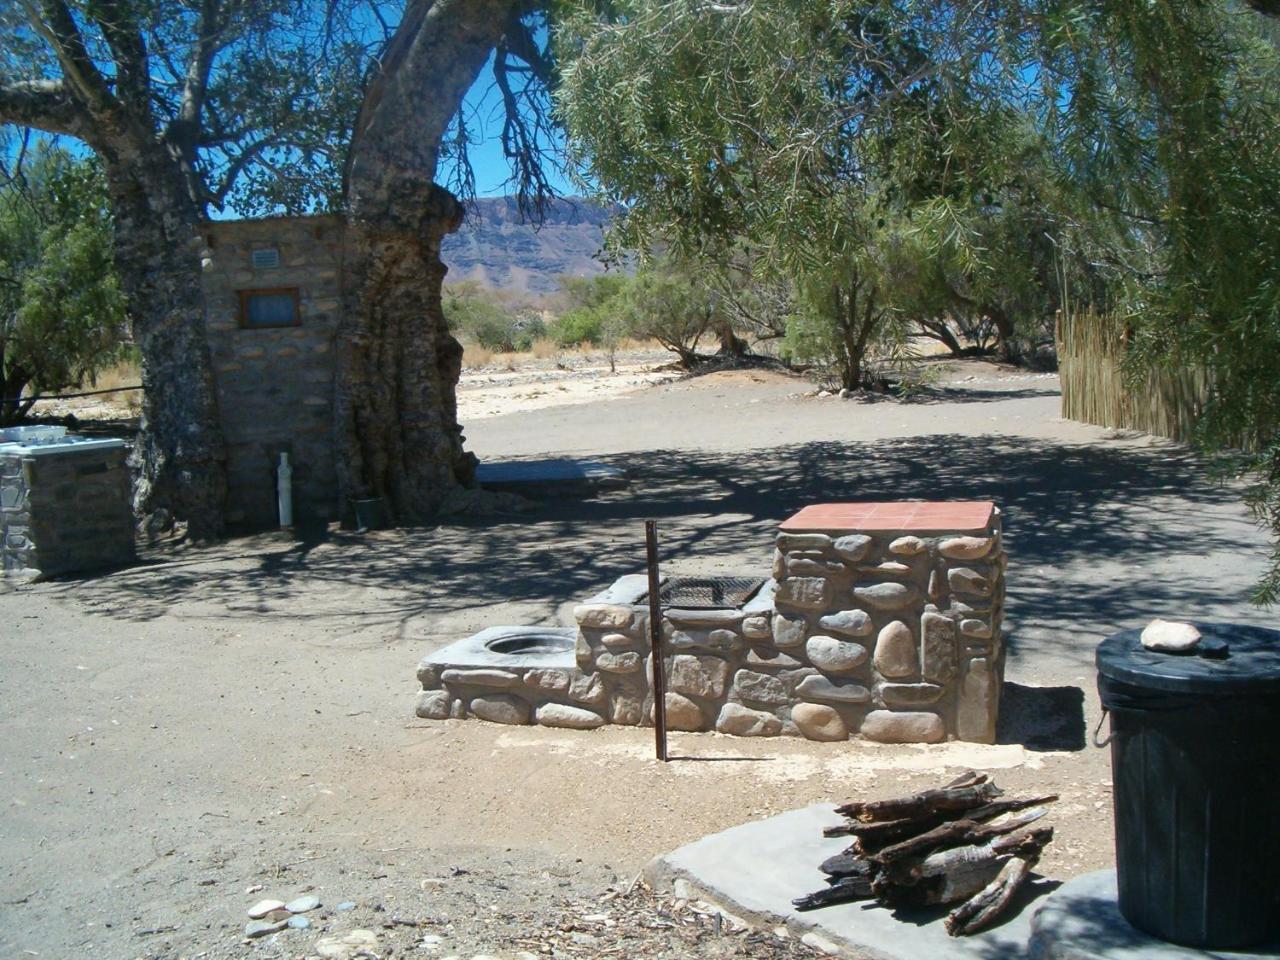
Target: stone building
column 272, row 291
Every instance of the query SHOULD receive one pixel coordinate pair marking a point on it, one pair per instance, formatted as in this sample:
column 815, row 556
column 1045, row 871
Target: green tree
column 62, row 313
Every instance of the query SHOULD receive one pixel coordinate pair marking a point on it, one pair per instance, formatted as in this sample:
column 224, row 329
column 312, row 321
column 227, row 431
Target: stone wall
column 275, row 384
column 889, row 635
column 65, row 512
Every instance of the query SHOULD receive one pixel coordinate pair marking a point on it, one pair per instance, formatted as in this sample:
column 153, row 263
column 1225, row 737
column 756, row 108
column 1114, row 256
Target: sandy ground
column 215, row 720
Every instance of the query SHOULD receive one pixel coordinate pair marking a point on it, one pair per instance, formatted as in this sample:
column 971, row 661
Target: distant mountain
column 497, row 251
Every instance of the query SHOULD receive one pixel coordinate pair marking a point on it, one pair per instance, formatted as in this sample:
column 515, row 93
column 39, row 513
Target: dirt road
column 216, row 720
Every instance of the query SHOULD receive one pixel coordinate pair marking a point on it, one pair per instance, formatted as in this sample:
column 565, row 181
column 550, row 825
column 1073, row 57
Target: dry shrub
column 474, row 356
column 544, row 348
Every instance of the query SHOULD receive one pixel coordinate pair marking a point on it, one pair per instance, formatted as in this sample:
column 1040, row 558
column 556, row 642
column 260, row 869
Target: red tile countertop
column 906, row 515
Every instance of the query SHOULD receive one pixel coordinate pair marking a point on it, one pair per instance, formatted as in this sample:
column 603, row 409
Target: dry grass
column 128, row 374
column 544, row 349
column 475, row 356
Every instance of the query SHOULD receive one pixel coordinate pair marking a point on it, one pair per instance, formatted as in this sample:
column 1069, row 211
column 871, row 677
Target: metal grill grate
column 707, row 593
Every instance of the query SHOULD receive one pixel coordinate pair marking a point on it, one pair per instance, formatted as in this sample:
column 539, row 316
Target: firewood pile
column 962, row 844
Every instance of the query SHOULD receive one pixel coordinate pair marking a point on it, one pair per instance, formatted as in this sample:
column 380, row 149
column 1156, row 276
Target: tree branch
column 54, row 22
column 46, row 105
column 128, row 50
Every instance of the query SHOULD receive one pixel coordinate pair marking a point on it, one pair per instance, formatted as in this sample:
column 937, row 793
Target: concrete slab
column 501, row 648
column 1081, row 921
column 545, row 478
column 755, row 870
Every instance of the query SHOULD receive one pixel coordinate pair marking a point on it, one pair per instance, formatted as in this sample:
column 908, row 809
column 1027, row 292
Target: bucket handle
column 1098, row 728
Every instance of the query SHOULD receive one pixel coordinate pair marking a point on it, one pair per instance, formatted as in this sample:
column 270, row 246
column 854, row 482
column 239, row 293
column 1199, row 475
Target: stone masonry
column 275, row 384
column 885, row 627
column 65, row 511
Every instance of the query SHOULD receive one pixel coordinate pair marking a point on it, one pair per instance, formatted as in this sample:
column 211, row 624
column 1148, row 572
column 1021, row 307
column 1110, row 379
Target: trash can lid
column 1251, row 666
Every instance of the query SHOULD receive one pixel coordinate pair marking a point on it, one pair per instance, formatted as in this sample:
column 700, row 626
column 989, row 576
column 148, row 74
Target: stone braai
column 881, row 620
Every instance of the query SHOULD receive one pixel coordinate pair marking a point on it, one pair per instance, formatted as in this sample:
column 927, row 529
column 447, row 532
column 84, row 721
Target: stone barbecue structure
column 64, row 503
column 881, row 620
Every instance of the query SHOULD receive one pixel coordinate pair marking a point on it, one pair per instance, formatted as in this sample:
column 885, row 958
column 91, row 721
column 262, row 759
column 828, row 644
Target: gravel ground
column 217, row 720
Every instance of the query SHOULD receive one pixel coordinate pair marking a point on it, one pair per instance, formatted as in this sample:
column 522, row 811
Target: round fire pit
column 530, row 641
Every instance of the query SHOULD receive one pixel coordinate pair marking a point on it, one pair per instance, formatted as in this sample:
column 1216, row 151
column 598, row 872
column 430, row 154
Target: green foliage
column 664, row 303
column 595, row 306
column 62, row 315
column 478, row 317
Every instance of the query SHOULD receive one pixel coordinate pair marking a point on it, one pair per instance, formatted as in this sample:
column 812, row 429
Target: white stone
column 907, row 546
column 500, row 709
column 619, row 641
column 482, row 677
column 890, row 568
column 603, row 615
column 756, row 628
column 562, row 715
column 852, row 547
column 434, row 705
column 588, row 688
column 698, row 676
column 788, row 631
column 346, row 946
column 834, row 656
column 818, row 722
column 303, row 904
column 965, row 548
column 885, row 726
column 683, row 713
column 618, row 662
column 937, row 647
column 1170, row 636
column 740, row 721
column 261, row 928
column 851, row 623
column 263, row 907
column 896, row 654
column 554, row 681
column 802, row 541
column 976, row 706
column 820, row 688
column 886, row 596
column 805, row 592
column 760, row 687
column 978, row 629
column 966, row 580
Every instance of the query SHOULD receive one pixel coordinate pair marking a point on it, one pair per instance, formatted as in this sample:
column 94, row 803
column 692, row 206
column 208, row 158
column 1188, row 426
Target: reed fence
column 1091, row 350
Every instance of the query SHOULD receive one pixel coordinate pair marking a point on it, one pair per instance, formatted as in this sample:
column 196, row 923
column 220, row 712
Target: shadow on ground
column 1064, row 505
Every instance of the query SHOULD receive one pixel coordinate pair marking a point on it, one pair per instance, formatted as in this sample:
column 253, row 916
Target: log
column 982, row 909
column 846, row 865
column 956, row 874
column 957, row 832
column 921, row 804
column 844, row 890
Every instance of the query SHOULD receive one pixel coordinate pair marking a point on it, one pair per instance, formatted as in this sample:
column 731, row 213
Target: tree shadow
column 1042, row 718
column 1092, row 531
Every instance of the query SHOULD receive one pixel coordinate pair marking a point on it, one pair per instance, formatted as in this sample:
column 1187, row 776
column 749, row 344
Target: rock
column 802, row 541
column 760, row 687
column 895, row 654
column 788, row 631
column 618, row 662
column 821, row 688
column 814, row 568
column 583, row 653
column 812, row 593
column 500, row 709
column 978, row 629
column 886, row 596
column 683, row 713
column 779, row 569
column 965, row 580
column 768, row 657
column 937, row 586
column 588, row 688
column 563, row 715
column 818, row 722
column 1170, row 636
column 965, row 548
column 263, row 907
column 890, row 568
column 851, row 623
column 718, row 641
column 937, row 647
column 482, row 678
column 886, row 726
column 627, row 706
column 756, row 628
column 976, row 704
column 261, row 928
column 619, row 641
column 553, row 681
column 278, row 916
column 428, row 674
column 303, row 904
column 743, row 722
column 852, row 547
column 724, row 641
column 910, row 694
column 351, row 944
column 607, row 616
column 434, row 705
column 458, row 710
column 298, row 923
column 345, row 905
column 834, row 656
column 698, row 676
column 703, row 618
column 907, row 546
column 815, row 941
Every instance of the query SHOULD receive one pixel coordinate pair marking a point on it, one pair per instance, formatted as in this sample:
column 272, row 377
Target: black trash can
column 1195, row 759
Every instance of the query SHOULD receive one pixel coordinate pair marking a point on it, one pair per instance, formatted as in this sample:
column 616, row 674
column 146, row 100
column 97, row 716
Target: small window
column 269, row 308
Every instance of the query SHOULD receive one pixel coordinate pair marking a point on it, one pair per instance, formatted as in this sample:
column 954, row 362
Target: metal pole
column 655, row 643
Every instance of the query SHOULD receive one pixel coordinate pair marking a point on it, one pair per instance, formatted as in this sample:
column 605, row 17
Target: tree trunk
column 1006, row 347
column 396, row 418
column 180, row 453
